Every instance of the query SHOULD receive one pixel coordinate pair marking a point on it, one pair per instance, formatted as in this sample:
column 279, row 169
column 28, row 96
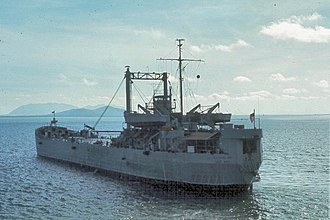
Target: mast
column 128, row 92
column 180, row 60
column 180, row 73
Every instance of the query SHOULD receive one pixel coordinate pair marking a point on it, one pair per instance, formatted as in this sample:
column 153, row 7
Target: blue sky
column 270, row 55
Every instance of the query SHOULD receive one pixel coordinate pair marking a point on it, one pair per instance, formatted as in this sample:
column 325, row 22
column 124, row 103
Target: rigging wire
column 188, row 91
column 189, row 82
column 176, row 88
column 98, row 120
column 157, row 87
column 140, row 93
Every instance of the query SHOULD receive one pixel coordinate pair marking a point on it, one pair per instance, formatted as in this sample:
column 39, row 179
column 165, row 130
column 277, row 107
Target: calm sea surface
column 294, row 179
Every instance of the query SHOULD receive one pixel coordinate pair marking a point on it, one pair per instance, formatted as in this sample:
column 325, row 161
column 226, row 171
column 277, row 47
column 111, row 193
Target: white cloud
column 88, row 82
column 63, row 77
column 225, row 96
column 294, row 28
column 310, row 97
column 230, row 47
column 323, row 84
column 25, row 95
column 220, row 97
column 212, row 98
column 262, row 94
column 152, row 33
column 220, row 47
column 241, row 79
column 288, row 97
column 196, row 49
column 315, row 16
column 293, row 97
column 279, row 77
column 291, row 91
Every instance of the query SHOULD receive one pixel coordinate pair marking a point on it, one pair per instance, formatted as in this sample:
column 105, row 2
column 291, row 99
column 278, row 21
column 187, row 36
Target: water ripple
column 294, row 185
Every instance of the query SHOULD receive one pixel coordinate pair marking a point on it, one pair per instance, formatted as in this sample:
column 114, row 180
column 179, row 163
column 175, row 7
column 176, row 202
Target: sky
column 272, row 56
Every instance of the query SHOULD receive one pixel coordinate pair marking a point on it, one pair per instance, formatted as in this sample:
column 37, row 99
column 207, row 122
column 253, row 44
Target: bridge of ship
column 160, row 112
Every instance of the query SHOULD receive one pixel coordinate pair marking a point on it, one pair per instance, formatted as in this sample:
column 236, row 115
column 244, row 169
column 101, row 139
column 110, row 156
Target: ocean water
column 294, row 183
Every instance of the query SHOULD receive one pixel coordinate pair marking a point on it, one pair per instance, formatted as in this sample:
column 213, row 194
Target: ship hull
column 188, row 170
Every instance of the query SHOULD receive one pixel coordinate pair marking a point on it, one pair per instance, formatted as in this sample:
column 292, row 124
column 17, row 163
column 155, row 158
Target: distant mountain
column 83, row 112
column 92, row 107
column 64, row 110
column 78, row 112
column 111, row 111
column 40, row 109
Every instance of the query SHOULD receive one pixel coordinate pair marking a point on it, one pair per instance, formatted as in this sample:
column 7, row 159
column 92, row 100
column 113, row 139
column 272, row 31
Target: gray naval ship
column 197, row 150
